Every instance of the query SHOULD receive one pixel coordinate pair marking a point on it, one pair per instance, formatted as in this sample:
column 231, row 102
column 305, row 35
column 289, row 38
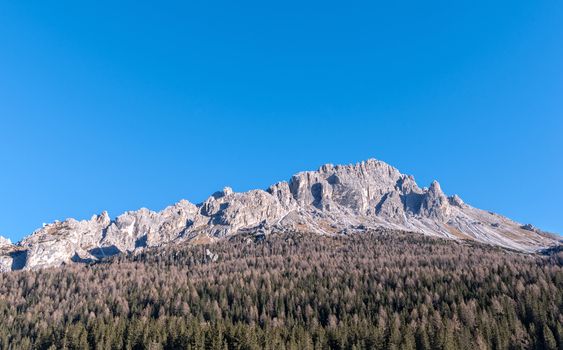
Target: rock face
column 332, row 200
column 4, row 242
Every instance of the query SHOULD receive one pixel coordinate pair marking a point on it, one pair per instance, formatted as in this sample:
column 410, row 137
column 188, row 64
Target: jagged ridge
column 332, row 200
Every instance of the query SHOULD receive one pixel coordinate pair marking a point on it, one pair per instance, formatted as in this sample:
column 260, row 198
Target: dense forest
column 377, row 290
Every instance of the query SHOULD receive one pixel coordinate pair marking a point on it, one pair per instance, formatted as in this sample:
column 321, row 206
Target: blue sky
column 119, row 105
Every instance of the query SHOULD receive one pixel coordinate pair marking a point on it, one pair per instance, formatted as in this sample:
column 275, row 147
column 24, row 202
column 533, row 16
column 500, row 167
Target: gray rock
column 225, row 215
column 6, row 248
column 211, row 257
column 435, row 204
column 145, row 228
column 5, row 242
column 57, row 243
column 529, row 227
column 332, row 200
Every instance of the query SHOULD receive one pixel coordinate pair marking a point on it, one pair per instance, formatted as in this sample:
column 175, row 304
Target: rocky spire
column 435, row 203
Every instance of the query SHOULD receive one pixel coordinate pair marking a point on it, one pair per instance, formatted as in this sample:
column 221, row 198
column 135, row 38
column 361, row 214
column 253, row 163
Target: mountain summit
column 332, row 200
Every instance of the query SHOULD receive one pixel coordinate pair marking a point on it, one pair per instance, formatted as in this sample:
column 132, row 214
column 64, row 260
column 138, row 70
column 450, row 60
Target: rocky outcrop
column 6, row 247
column 435, row 204
column 5, row 242
column 332, row 200
column 227, row 213
column 142, row 228
column 59, row 242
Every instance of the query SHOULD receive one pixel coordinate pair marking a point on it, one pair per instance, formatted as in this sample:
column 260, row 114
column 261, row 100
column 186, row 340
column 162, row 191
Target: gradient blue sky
column 117, row 105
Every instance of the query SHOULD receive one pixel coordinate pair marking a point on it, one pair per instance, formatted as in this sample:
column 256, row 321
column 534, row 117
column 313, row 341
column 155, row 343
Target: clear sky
column 116, row 105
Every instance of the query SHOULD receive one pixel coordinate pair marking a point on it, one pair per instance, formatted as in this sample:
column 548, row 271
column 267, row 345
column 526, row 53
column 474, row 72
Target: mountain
column 332, row 200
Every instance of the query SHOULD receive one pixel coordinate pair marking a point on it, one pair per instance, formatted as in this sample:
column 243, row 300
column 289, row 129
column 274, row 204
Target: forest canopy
column 377, row 290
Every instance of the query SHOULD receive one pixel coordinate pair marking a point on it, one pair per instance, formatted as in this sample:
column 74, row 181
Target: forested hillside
column 378, row 290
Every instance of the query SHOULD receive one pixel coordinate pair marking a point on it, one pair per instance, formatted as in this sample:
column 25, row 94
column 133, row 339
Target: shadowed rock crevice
column 18, row 260
column 104, row 252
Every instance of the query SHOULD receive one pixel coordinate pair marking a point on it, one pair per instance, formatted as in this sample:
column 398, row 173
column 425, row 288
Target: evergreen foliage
column 379, row 290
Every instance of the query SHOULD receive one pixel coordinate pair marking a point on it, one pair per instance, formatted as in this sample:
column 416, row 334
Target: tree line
column 377, row 290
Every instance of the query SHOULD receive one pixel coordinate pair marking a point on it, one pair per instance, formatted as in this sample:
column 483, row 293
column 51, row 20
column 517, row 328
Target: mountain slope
column 381, row 289
column 331, row 200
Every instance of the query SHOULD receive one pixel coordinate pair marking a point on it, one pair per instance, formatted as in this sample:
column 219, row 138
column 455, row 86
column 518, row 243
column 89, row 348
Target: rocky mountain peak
column 456, row 201
column 103, row 219
column 435, row 188
column 227, row 191
column 435, row 204
column 5, row 241
column 332, row 200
